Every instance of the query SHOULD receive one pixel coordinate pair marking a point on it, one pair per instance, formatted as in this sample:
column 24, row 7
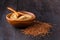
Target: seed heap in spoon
column 18, row 15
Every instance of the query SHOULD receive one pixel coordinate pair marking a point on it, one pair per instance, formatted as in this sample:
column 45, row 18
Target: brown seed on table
column 40, row 28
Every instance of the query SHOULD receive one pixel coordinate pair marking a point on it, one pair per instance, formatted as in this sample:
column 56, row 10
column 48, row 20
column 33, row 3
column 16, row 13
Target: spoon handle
column 11, row 9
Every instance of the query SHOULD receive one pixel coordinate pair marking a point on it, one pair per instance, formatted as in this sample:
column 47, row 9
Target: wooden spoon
column 13, row 11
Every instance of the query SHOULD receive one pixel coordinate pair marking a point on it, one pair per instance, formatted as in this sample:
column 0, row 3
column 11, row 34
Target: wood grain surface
column 45, row 10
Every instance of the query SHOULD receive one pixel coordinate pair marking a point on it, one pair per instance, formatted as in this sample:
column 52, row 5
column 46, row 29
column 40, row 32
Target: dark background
column 45, row 10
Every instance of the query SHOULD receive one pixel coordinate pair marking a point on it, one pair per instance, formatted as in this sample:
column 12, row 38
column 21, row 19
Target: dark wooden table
column 47, row 11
